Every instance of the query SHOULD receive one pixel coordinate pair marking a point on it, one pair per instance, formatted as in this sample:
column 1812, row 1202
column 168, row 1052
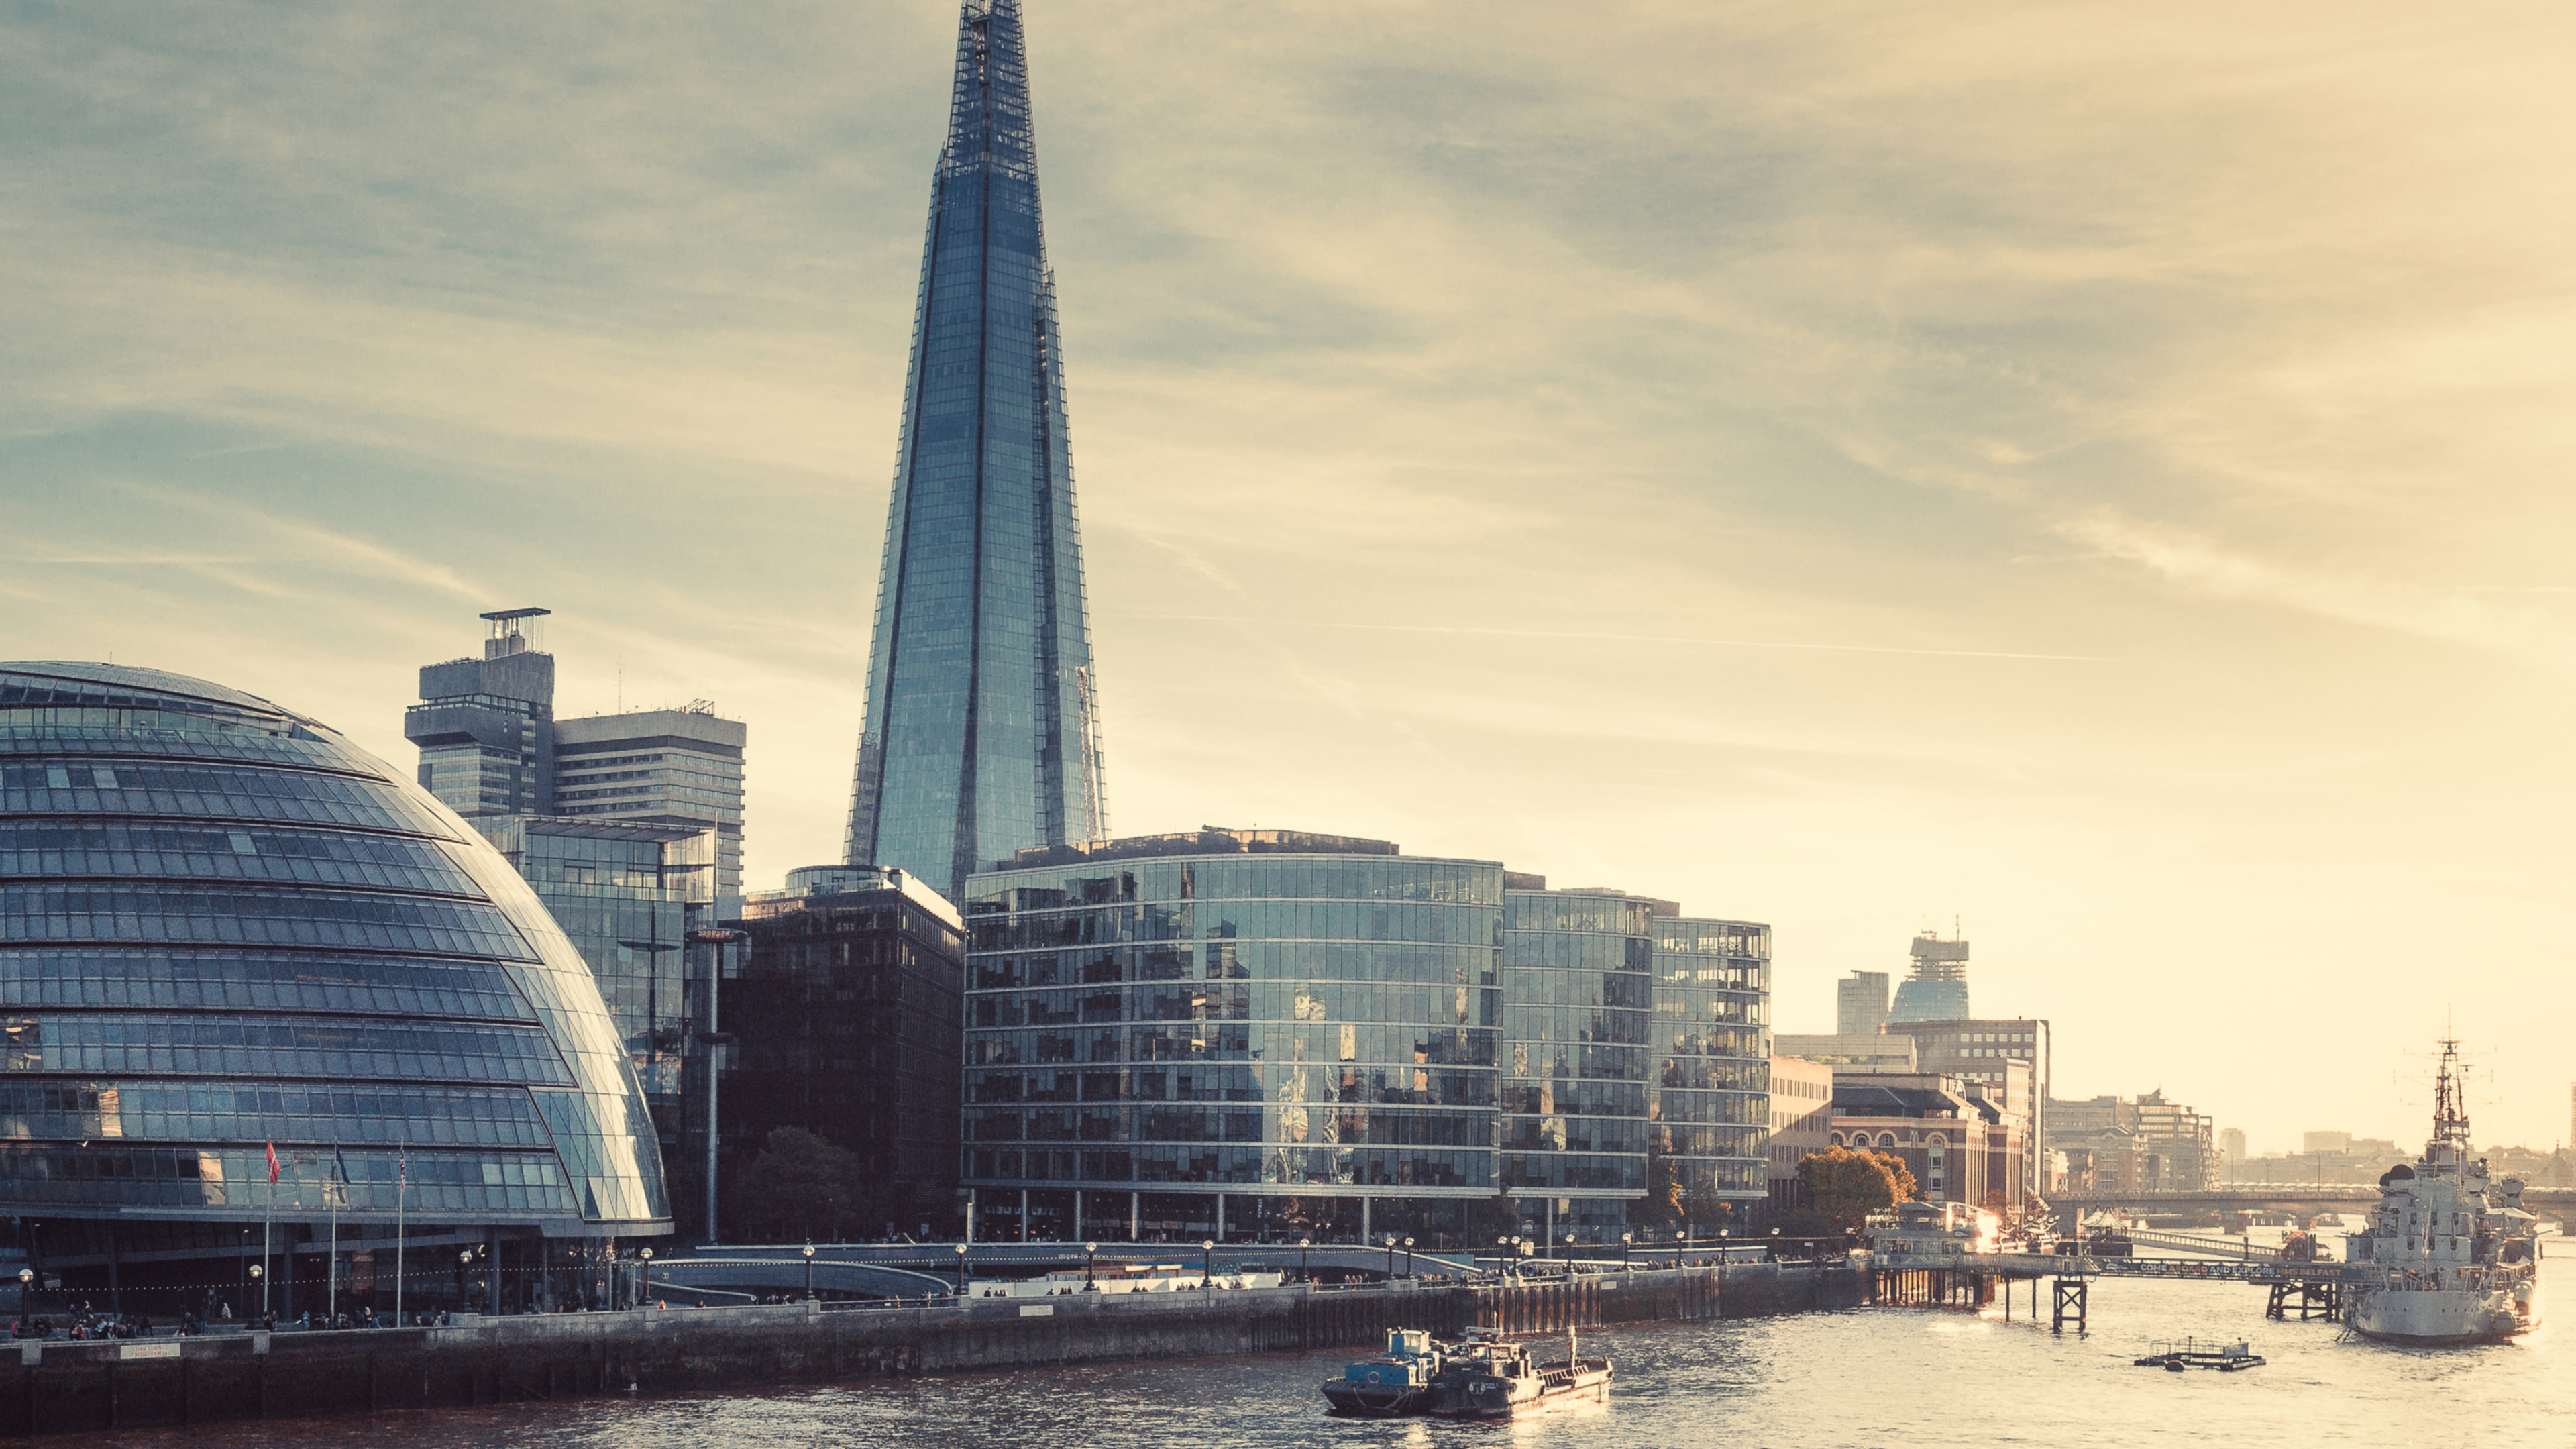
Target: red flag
column 272, row 1164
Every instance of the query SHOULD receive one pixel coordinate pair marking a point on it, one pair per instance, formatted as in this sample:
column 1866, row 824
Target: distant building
column 2010, row 1057
column 1936, row 989
column 2325, row 1142
column 485, row 727
column 1960, row 1146
column 668, row 767
column 1802, row 1110
column 1860, row 1003
column 2231, row 1147
column 2146, row 1144
column 1861, row 1053
column 490, row 744
column 846, row 1015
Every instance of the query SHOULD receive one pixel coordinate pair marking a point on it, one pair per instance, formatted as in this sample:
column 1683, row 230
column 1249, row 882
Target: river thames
column 1863, row 1378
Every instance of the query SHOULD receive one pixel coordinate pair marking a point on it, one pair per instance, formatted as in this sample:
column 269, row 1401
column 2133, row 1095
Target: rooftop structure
column 981, row 736
column 1937, row 987
column 1882, row 1053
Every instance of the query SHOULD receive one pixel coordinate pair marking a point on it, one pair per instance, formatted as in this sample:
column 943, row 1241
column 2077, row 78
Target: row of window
column 258, row 981
column 1277, row 1166
column 276, row 1046
column 1270, row 877
column 132, row 850
column 1223, row 960
column 283, row 918
column 1277, row 1041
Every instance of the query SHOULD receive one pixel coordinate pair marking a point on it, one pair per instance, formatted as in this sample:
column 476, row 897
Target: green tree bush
column 1845, row 1186
column 799, row 1186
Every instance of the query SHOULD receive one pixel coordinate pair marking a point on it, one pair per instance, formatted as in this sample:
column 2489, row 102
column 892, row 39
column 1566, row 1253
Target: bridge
column 2305, row 1198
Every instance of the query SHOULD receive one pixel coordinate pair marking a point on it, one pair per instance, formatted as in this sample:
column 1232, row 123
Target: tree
column 799, row 1186
column 1661, row 1207
column 1844, row 1187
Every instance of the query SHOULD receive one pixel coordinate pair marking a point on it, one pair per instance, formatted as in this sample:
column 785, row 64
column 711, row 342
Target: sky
column 2090, row 476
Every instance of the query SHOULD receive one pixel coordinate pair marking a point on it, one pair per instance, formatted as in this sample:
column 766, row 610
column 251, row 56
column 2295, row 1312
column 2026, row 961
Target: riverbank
column 64, row 1387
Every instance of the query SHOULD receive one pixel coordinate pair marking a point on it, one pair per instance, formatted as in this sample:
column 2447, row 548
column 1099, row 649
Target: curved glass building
column 225, row 929
column 1253, row 1035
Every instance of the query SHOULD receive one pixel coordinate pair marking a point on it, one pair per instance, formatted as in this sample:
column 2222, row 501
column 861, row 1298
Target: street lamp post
column 1569, row 1247
column 1302, row 1245
column 647, row 1256
column 1207, row 1264
column 258, row 1280
column 1089, row 1251
column 1390, row 1257
column 809, row 1272
column 1408, row 1257
column 961, row 1270
column 714, row 1041
column 1627, row 1241
column 26, row 1289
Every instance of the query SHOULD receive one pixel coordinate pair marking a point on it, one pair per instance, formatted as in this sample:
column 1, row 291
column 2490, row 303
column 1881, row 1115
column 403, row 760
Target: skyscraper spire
column 981, row 736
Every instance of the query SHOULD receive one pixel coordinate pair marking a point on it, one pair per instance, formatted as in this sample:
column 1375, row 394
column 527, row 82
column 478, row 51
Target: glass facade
column 981, row 732
column 1577, row 1018
column 1712, row 1044
column 1259, row 1045
column 626, row 896
column 222, row 926
column 678, row 768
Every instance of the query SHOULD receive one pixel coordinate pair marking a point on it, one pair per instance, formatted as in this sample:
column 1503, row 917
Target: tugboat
column 2454, row 1250
column 1489, row 1379
column 1394, row 1384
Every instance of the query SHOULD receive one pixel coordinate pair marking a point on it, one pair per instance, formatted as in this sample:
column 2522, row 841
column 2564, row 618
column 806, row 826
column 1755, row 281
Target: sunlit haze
column 2095, row 475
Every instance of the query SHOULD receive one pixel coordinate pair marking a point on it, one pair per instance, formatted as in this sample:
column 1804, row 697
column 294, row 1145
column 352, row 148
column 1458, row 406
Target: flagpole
column 402, row 1181
column 331, row 1305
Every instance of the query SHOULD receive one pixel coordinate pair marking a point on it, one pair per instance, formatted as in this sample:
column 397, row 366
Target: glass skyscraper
column 981, row 732
column 223, row 927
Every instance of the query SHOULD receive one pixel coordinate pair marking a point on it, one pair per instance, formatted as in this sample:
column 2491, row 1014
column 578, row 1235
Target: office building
column 845, row 1013
column 2010, row 1057
column 491, row 744
column 1578, row 1012
column 223, row 926
column 1247, row 1035
column 1709, row 1099
column 1802, row 1112
column 485, row 727
column 1860, row 1003
column 1936, row 984
column 981, row 736
column 671, row 768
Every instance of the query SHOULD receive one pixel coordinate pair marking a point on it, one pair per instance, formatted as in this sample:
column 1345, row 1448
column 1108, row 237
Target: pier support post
column 2071, row 1297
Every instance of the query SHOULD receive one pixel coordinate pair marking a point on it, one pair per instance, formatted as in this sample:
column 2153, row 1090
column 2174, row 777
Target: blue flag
column 344, row 1164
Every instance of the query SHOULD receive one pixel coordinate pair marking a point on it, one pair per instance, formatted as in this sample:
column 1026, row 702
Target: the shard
column 981, row 735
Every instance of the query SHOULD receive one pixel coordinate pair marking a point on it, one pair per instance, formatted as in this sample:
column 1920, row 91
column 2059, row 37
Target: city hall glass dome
column 222, row 926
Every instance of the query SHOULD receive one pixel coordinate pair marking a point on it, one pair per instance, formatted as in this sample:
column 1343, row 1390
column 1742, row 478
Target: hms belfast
column 2456, row 1251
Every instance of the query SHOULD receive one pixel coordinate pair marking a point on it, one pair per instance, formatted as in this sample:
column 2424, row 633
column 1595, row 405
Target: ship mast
column 2450, row 1116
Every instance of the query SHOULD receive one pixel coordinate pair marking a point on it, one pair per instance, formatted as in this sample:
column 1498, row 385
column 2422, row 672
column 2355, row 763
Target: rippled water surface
column 1869, row 1377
